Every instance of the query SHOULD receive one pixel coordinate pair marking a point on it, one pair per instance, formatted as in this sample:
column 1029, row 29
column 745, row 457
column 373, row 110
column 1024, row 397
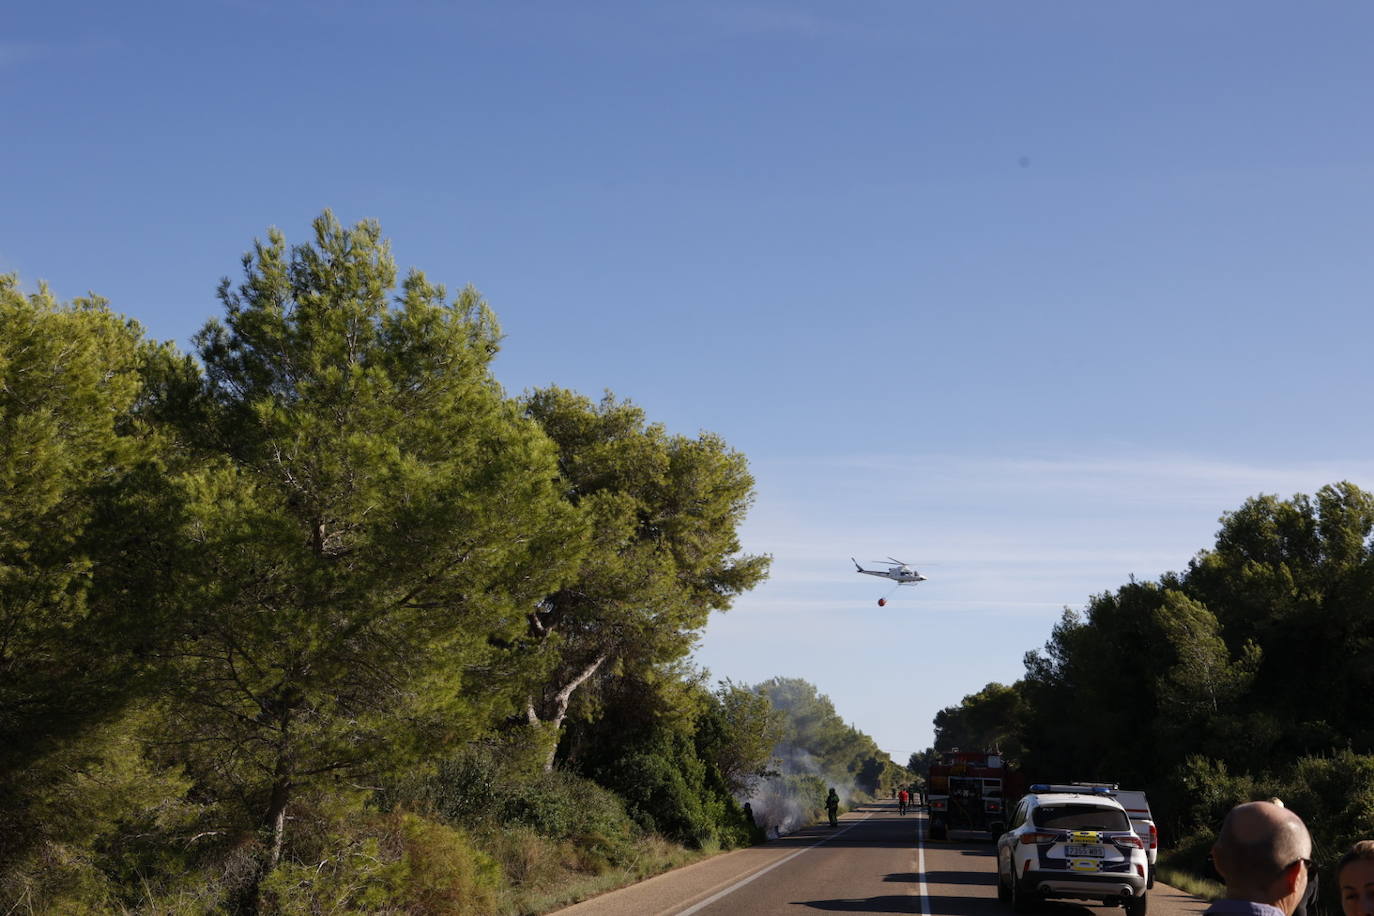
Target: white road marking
column 921, row 888
column 763, row 871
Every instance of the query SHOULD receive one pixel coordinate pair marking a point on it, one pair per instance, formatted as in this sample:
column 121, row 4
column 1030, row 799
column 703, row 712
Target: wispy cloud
column 1139, row 476
column 1030, row 530
column 1016, row 538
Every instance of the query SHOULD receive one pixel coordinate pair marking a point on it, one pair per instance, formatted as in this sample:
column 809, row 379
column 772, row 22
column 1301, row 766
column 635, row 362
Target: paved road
column 875, row 862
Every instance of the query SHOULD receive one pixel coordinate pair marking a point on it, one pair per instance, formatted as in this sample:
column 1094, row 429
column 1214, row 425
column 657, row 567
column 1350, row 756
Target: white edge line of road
column 921, row 889
column 763, row 871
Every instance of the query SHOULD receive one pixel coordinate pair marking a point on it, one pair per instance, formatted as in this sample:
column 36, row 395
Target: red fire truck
column 971, row 790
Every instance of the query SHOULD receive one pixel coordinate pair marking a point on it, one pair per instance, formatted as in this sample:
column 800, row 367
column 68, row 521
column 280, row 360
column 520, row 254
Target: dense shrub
column 663, row 792
column 99, row 823
column 478, row 788
column 398, row 863
column 1333, row 794
column 668, row 788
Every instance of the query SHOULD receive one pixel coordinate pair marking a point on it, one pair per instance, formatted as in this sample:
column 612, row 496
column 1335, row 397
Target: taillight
column 1036, row 839
column 992, row 806
column 1154, row 837
column 937, row 805
column 1129, row 839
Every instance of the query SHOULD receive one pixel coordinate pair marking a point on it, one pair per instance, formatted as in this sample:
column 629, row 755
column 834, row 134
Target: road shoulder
column 683, row 888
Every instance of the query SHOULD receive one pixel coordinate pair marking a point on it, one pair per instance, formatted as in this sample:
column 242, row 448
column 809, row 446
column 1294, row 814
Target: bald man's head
column 1258, row 841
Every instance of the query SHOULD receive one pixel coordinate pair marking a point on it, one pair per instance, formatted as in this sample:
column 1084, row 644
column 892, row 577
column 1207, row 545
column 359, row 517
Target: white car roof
column 1077, row 798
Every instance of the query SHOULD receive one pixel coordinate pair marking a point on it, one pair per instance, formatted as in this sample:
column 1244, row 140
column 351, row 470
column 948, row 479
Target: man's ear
column 1290, row 876
column 1214, row 867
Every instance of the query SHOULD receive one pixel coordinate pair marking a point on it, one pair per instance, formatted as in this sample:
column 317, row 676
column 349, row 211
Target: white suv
column 1138, row 810
column 1076, row 845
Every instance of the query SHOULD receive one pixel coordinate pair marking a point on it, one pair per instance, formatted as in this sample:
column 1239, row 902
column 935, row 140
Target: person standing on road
column 1264, row 854
column 901, row 801
column 832, row 807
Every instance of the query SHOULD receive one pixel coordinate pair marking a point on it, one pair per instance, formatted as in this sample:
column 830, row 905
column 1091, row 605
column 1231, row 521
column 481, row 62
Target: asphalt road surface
column 875, row 861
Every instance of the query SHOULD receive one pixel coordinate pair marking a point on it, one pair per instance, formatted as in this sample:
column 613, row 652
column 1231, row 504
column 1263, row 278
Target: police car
column 1071, row 842
column 1142, row 820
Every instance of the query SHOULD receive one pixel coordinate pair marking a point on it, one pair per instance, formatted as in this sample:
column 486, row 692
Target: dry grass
column 544, row 878
column 1190, row 883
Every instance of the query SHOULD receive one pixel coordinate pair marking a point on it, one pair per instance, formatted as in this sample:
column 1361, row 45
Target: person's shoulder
column 1230, row 907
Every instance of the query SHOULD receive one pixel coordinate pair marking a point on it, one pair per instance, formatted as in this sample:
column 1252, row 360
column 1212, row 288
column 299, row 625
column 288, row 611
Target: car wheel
column 1003, row 892
column 1135, row 906
column 1021, row 901
column 938, row 830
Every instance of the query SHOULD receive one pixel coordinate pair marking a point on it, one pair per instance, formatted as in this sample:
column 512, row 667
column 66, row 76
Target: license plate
column 1076, row 851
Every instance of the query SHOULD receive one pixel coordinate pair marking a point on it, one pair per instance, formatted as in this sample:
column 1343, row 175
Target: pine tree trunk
column 560, row 706
column 276, row 820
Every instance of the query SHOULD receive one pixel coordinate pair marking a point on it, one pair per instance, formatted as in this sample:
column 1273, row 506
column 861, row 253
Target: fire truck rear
column 970, row 790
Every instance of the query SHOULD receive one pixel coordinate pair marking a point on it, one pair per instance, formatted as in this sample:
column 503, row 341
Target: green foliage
column 1204, row 678
column 919, row 762
column 371, row 520
column 656, row 744
column 663, row 511
column 990, row 719
column 1247, row 676
column 317, row 578
column 69, row 388
column 815, row 739
column 1334, row 795
column 395, row 864
column 662, row 784
column 483, row 787
column 101, row 817
column 87, row 541
column 737, row 732
column 564, row 806
column 1282, row 596
column 895, row 776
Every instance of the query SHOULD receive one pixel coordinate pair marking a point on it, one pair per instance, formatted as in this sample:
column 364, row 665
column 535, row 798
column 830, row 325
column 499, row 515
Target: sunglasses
column 1307, row 864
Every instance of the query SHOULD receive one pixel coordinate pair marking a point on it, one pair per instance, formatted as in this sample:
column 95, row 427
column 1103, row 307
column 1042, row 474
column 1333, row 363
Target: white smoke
column 795, row 796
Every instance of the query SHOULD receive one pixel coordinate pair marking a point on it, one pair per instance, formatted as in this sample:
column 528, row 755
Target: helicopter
column 898, row 571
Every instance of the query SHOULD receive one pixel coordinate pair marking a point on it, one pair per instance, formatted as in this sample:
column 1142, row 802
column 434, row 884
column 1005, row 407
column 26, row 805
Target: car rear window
column 1080, row 817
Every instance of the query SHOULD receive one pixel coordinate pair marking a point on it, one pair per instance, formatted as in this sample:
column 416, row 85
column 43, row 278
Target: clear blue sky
column 1032, row 291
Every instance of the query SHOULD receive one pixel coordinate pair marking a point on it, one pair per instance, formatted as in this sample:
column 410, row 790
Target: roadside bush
column 55, row 878
column 527, row 858
column 566, row 806
column 475, row 789
column 444, row 873
column 1206, row 789
column 92, row 823
column 393, row 863
column 1334, row 795
column 663, row 792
